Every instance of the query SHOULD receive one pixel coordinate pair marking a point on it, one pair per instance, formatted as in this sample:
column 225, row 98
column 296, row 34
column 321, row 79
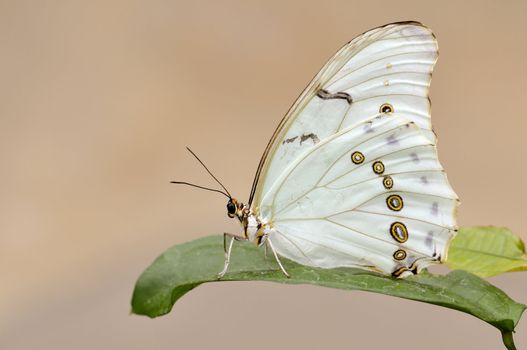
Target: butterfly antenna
column 210, row 173
column 198, row 186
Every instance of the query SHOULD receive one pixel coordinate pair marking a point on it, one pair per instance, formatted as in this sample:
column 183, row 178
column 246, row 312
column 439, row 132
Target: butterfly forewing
column 388, row 67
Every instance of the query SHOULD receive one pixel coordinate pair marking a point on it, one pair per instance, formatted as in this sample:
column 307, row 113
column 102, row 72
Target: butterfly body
column 254, row 230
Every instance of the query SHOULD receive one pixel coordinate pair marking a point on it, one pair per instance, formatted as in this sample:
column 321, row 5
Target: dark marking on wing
column 392, row 140
column 435, row 209
column 326, row 95
column 368, row 127
column 303, row 138
column 429, row 240
column 289, row 140
column 311, row 136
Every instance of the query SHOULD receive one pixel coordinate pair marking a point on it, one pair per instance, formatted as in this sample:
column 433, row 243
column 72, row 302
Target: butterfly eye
column 386, row 108
column 231, row 208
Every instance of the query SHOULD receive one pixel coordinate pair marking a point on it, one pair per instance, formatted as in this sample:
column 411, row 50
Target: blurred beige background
column 98, row 100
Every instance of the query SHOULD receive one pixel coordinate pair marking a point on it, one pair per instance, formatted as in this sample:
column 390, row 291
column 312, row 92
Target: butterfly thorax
column 253, row 228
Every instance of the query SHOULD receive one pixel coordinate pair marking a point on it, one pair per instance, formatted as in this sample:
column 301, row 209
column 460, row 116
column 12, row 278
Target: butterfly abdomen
column 255, row 230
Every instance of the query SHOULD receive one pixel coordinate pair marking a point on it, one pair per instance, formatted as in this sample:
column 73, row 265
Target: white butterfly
column 351, row 175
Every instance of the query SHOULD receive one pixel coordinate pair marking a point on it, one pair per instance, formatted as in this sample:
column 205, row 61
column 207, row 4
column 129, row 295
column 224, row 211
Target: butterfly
column 351, row 176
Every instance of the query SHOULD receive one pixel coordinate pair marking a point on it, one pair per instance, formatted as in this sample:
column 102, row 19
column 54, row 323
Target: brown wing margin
column 311, row 87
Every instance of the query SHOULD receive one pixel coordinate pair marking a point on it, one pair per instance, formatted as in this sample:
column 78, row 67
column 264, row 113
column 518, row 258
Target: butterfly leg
column 276, row 257
column 265, row 252
column 228, row 250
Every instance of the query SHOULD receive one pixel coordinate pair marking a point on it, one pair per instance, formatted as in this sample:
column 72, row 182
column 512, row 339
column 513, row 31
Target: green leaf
column 487, row 251
column 186, row 266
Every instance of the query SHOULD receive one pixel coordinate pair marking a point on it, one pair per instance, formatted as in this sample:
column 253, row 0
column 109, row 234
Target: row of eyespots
column 394, row 202
column 398, row 230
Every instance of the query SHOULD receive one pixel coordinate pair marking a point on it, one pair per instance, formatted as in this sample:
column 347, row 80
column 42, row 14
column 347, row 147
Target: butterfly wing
column 387, row 67
column 328, row 202
column 372, row 195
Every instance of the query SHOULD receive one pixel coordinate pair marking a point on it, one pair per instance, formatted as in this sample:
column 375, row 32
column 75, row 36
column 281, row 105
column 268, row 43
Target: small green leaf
column 487, row 251
column 186, row 266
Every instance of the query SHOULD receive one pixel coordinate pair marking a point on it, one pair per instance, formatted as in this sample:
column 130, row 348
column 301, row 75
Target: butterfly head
column 235, row 209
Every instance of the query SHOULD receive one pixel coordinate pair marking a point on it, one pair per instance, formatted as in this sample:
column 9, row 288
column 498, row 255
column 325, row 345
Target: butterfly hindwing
column 372, row 195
